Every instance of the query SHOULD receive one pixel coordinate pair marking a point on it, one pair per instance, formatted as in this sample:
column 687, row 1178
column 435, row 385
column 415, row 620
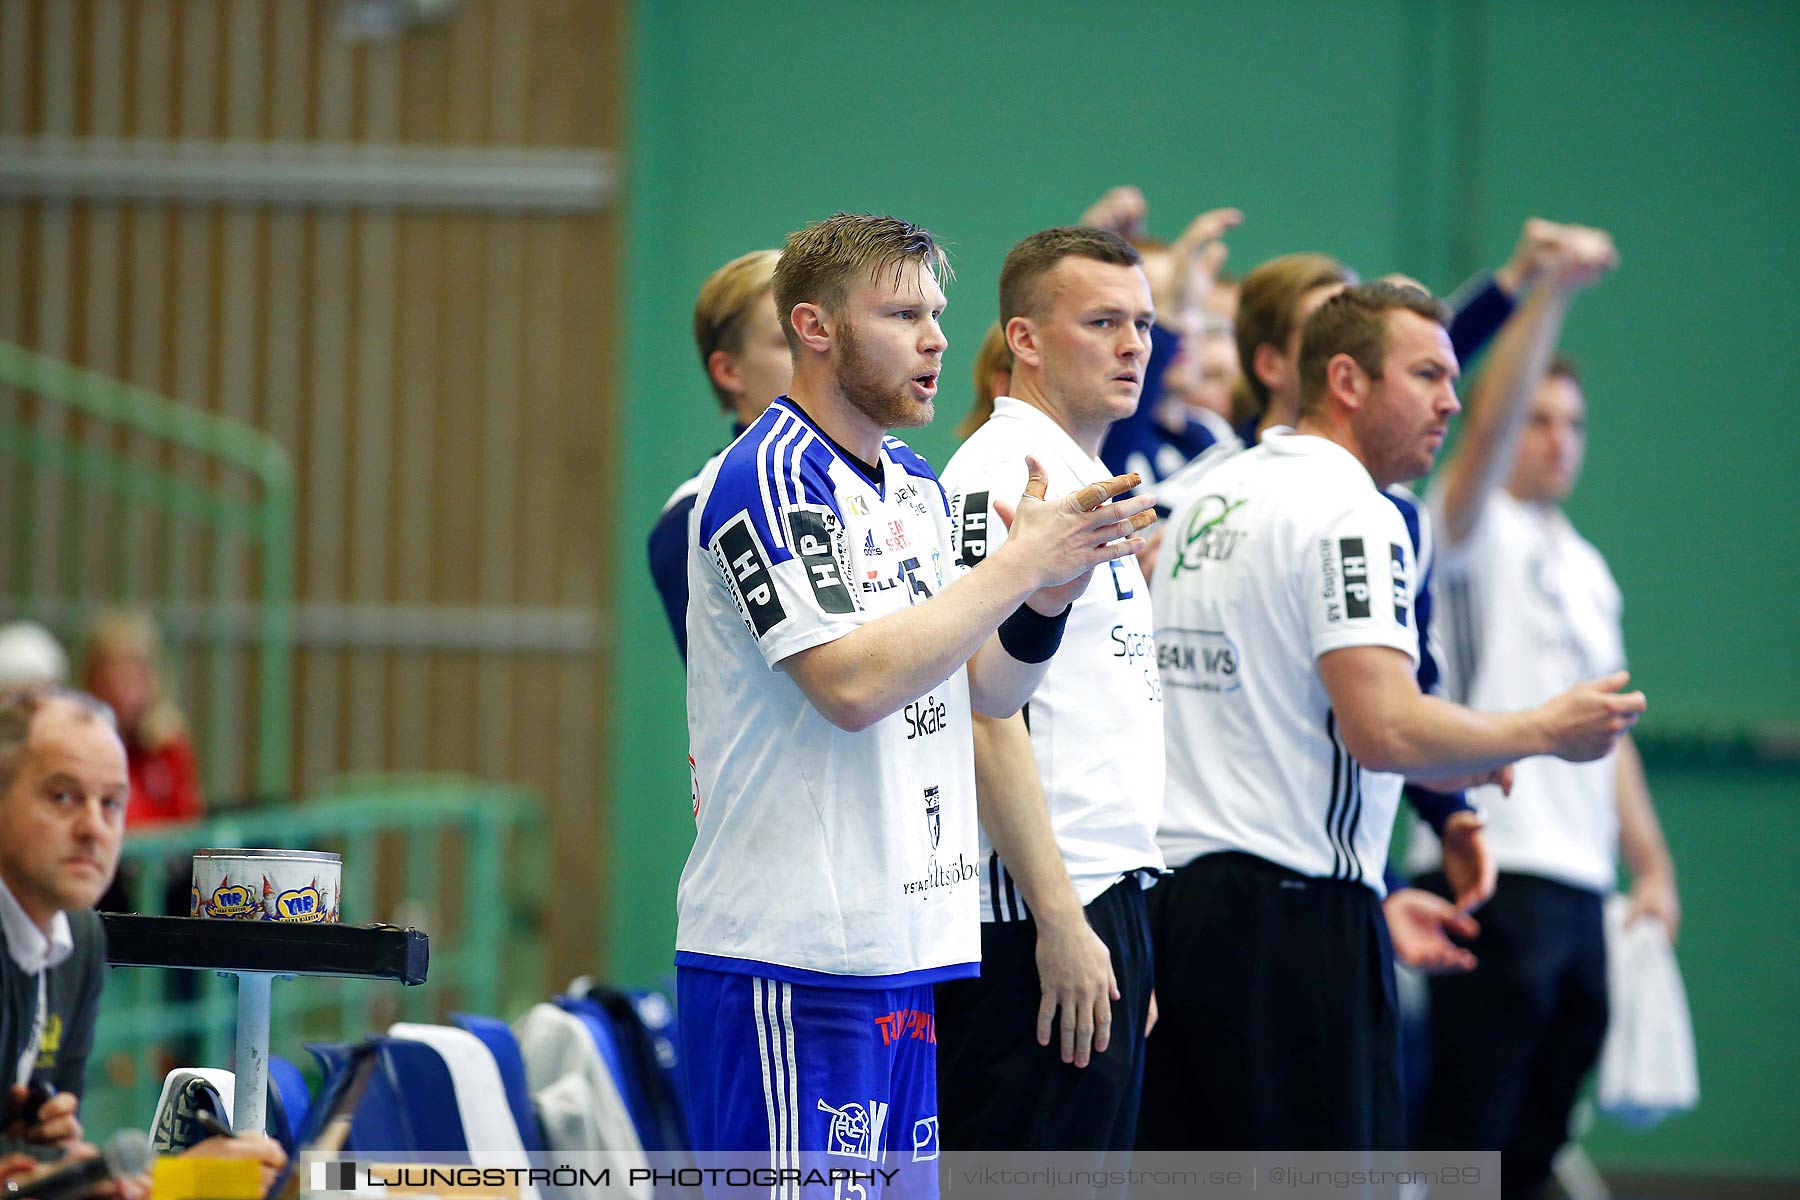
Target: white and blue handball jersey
column 821, row 856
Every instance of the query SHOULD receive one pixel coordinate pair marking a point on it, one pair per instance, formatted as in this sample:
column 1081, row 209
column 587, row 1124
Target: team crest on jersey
column 934, row 824
column 925, row 1139
column 1204, row 535
column 855, row 1130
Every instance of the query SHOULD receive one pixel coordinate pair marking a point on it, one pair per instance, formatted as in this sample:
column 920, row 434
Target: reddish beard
column 860, row 381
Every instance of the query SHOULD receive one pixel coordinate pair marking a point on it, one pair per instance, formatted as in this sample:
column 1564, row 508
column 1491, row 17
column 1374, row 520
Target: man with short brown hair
column 1045, row 1050
column 1285, row 631
column 838, row 651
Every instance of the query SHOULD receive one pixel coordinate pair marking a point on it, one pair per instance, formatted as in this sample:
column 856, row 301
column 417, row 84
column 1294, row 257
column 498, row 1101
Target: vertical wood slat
column 15, row 65
column 15, row 33
column 507, row 303
column 286, row 314
column 322, row 723
column 192, row 288
column 55, row 249
column 540, row 449
column 457, row 565
column 152, row 28
column 371, row 533
column 439, row 379
column 423, row 296
column 105, row 54
column 587, row 548
column 242, row 301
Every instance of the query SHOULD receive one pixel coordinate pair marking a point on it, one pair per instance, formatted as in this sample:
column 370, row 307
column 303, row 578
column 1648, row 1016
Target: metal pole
column 252, row 1061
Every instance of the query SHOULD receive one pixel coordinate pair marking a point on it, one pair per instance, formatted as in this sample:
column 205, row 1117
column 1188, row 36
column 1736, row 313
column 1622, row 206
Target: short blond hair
column 133, row 633
column 726, row 299
column 820, row 262
column 994, row 355
column 1269, row 299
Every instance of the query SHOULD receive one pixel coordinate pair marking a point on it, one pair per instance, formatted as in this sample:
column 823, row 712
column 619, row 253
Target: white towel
column 576, row 1099
column 1647, row 1065
column 488, row 1125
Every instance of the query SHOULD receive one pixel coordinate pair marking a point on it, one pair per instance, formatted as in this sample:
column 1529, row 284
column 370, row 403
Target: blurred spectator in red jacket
column 122, row 666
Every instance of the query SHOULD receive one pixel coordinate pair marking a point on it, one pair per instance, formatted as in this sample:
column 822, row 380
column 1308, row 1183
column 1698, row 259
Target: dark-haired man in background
column 1283, row 600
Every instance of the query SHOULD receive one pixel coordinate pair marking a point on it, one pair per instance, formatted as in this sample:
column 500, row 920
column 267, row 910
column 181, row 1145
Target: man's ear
column 1021, row 339
column 1347, row 381
column 722, row 368
column 1268, row 363
column 813, row 327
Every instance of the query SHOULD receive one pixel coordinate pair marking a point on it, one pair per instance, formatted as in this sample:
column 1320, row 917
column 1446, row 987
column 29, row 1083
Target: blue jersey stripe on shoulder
column 914, row 464
column 1409, row 512
column 1410, row 508
column 744, row 484
column 813, row 473
column 778, row 463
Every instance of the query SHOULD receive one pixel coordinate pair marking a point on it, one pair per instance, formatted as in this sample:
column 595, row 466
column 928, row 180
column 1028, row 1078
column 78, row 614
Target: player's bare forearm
column 1641, row 839
column 873, row 671
column 1010, row 800
column 1389, row 725
column 1075, row 976
column 999, row 684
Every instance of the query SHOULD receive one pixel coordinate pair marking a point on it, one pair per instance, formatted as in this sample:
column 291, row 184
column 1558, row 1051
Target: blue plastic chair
column 498, row 1037
column 425, row 1095
column 289, row 1102
column 410, row 1103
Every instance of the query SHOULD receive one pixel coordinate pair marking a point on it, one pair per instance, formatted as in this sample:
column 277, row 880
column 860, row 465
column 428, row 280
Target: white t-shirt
column 1528, row 608
column 1288, row 552
column 1096, row 719
column 821, row 855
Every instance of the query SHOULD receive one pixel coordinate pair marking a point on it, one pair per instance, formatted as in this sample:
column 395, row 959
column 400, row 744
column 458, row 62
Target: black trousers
column 997, row 1088
column 1512, row 1040
column 1277, row 1026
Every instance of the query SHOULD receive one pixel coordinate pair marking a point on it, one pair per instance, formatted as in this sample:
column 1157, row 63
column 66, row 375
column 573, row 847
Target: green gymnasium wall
column 1401, row 135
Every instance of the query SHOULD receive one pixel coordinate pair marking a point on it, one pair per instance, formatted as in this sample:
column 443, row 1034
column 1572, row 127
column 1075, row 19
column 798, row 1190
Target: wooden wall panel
column 442, row 380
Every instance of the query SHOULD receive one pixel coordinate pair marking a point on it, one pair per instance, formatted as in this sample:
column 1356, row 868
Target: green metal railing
column 226, row 512
column 461, row 860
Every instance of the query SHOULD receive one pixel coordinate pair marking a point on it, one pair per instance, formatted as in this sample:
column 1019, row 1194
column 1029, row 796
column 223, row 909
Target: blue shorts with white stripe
column 811, row 1081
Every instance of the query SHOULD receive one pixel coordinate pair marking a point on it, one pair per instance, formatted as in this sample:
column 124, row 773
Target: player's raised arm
column 1571, row 259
